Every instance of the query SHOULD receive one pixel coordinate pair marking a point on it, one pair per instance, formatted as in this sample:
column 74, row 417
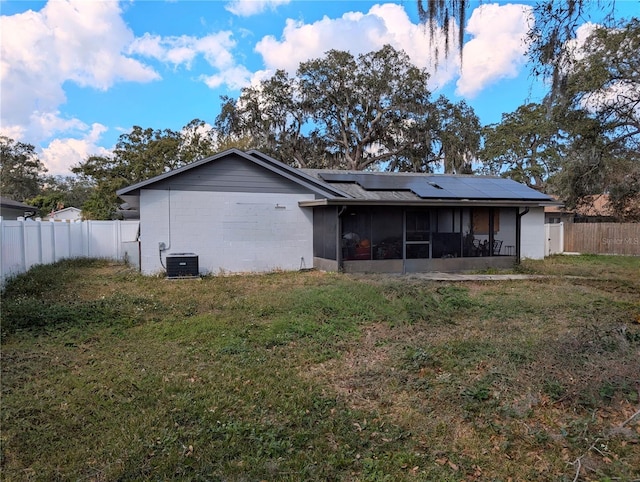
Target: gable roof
column 67, row 210
column 340, row 187
column 253, row 156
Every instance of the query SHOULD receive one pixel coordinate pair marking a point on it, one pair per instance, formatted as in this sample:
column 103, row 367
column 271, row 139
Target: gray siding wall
column 231, row 174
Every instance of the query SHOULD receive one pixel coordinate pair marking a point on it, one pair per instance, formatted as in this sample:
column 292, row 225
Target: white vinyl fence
column 28, row 243
column 554, row 239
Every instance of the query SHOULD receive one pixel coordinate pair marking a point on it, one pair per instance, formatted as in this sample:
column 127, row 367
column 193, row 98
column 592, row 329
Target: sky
column 77, row 74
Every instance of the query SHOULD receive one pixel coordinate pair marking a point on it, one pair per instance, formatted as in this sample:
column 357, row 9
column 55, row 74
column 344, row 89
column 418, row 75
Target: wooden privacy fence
column 28, row 243
column 602, row 238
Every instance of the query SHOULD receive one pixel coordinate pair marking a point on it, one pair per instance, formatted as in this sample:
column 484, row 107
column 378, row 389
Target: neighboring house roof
column 598, row 205
column 5, row 202
column 590, row 206
column 125, row 211
column 68, row 210
column 10, row 209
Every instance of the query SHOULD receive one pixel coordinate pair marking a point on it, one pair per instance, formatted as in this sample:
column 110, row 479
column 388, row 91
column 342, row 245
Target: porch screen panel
column 418, row 234
column 356, row 234
column 386, row 233
column 324, row 233
column 447, row 237
column 480, row 240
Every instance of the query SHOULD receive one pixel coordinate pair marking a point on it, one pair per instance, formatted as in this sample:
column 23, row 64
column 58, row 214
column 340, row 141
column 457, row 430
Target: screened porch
column 408, row 239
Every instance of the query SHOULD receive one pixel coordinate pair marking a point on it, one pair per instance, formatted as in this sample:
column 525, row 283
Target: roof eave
column 426, row 202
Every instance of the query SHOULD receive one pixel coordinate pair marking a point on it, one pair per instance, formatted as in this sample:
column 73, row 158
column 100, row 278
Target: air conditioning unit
column 182, row 265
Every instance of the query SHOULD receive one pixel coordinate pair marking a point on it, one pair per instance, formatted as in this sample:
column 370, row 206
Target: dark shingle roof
column 5, row 202
column 398, row 187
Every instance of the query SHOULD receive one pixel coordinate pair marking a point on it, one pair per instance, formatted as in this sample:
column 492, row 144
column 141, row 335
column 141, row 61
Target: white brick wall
column 533, row 235
column 230, row 232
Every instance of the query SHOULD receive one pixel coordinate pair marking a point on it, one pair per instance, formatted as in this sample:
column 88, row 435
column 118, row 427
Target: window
column 482, row 219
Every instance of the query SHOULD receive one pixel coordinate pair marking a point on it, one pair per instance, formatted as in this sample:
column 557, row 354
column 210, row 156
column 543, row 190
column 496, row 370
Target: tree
column 555, row 24
column 21, row 172
column 526, row 146
column 593, row 96
column 441, row 13
column 198, row 140
column 370, row 110
column 139, row 155
column 270, row 117
column 339, row 111
column 458, row 136
column 600, row 109
column 550, row 38
column 59, row 192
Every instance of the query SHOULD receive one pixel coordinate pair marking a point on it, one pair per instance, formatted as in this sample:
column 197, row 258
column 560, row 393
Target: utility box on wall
column 180, row 265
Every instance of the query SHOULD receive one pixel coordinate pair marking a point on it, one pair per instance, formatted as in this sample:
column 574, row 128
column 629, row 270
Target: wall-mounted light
column 280, row 206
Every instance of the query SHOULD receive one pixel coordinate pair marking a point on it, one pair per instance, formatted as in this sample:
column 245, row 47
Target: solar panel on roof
column 337, row 176
column 425, row 188
column 525, row 190
column 441, row 187
column 457, row 188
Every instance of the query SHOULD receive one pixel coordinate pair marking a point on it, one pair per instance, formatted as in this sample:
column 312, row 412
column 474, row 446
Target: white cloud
column 575, row 46
column 43, row 125
column 182, row 50
column 71, row 40
column 235, row 78
column 498, row 49
column 216, row 49
column 63, row 153
column 621, row 93
column 246, row 8
column 360, row 33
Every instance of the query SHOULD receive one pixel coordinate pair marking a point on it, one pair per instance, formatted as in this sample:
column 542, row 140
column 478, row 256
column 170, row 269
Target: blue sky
column 77, row 74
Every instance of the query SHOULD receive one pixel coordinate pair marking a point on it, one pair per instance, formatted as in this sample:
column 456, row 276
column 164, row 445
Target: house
column 247, row 212
column 10, row 209
column 66, row 214
column 593, row 209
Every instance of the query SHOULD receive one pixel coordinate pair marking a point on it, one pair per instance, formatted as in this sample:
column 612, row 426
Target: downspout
column 339, row 238
column 519, row 231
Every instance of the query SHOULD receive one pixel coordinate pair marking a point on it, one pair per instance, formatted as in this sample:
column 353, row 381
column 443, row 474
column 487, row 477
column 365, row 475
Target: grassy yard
column 108, row 375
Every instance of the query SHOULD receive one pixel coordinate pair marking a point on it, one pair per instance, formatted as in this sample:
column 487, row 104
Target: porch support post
column 492, row 213
column 519, row 231
column 339, row 211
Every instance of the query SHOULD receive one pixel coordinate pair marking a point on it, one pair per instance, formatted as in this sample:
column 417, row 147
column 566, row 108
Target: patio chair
column 475, row 248
column 497, row 246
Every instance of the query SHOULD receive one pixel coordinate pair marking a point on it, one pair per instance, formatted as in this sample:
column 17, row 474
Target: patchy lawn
column 108, row 375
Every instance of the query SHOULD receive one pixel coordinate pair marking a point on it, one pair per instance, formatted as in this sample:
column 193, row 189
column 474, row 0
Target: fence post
column 24, row 246
column 39, row 221
column 69, row 240
column 86, row 238
column 118, row 228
